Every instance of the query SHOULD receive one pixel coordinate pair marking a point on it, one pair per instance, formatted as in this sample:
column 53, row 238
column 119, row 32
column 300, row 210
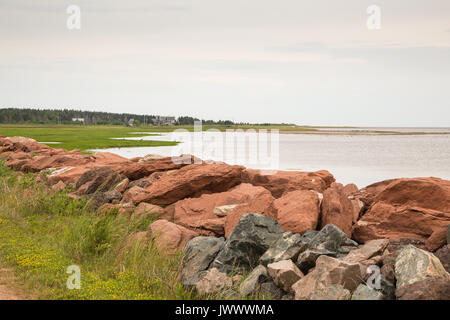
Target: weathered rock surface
column 437, row 239
column 298, row 211
column 350, row 189
column 368, row 250
column 199, row 213
column 337, row 209
column 427, row 289
column 269, row 290
column 332, row 292
column 191, row 181
column 448, row 233
column 199, row 253
column 330, row 238
column 97, row 180
column 288, row 246
column 143, row 169
column 328, row 271
column 406, row 208
column 213, row 282
column 133, row 192
column 123, row 209
column 413, row 265
column 261, row 203
column 252, row 236
column 363, row 292
column 307, row 259
column 251, row 285
column 148, row 209
column 170, row 237
column 392, row 251
column 443, row 254
column 285, row 181
column 284, row 274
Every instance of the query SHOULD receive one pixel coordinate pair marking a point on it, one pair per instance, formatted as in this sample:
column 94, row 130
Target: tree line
column 69, row 116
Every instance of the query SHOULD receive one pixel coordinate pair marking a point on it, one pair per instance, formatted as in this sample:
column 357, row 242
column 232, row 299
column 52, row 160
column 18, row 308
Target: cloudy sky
column 302, row 61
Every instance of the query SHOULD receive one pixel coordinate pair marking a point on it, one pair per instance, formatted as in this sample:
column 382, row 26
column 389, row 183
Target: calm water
column 361, row 159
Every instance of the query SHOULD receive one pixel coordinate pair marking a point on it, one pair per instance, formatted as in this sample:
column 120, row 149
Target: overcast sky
column 302, row 61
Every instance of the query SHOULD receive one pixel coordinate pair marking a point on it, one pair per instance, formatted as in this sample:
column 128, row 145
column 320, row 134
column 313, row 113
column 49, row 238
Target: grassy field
column 82, row 137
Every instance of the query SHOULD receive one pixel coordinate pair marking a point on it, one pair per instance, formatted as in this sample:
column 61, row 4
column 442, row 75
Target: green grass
column 101, row 137
column 82, row 137
column 42, row 233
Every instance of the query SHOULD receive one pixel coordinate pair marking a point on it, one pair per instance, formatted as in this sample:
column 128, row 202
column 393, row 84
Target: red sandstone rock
column 298, row 211
column 40, row 163
column 350, row 189
column 122, row 186
column 169, row 236
column 132, row 193
column 428, row 289
column 137, row 171
column 406, row 208
column 123, row 209
column 367, row 195
column 146, row 166
column 148, row 208
column 59, row 186
column 286, row 181
column 191, row 181
column 337, row 209
column 358, row 206
column 199, row 213
column 68, row 175
column 261, row 203
column 437, row 239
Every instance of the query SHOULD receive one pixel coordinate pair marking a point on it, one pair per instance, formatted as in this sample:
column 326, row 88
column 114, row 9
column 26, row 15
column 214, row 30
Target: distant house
column 164, row 121
column 78, row 120
column 130, row 122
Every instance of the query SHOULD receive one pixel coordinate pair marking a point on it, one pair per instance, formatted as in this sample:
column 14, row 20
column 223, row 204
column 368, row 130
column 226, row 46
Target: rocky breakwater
column 289, row 235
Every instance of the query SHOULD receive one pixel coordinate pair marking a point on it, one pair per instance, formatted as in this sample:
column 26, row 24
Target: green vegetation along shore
column 43, row 233
column 101, row 137
column 83, row 137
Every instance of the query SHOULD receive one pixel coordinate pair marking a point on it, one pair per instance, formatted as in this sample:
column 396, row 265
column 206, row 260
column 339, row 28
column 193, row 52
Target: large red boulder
column 169, row 236
column 427, row 289
column 285, row 181
column 68, row 175
column 437, row 239
column 406, row 208
column 368, row 194
column 207, row 214
column 146, row 166
column 298, row 211
column 191, row 181
column 337, row 209
column 40, row 163
column 261, row 202
column 99, row 179
column 25, row 144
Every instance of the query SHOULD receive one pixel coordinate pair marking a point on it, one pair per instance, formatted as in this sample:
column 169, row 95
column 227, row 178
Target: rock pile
column 289, row 235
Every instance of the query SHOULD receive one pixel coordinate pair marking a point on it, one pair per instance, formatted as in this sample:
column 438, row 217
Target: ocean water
column 359, row 159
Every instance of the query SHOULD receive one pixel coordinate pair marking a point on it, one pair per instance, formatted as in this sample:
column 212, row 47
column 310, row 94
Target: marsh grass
column 43, row 233
column 83, row 137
